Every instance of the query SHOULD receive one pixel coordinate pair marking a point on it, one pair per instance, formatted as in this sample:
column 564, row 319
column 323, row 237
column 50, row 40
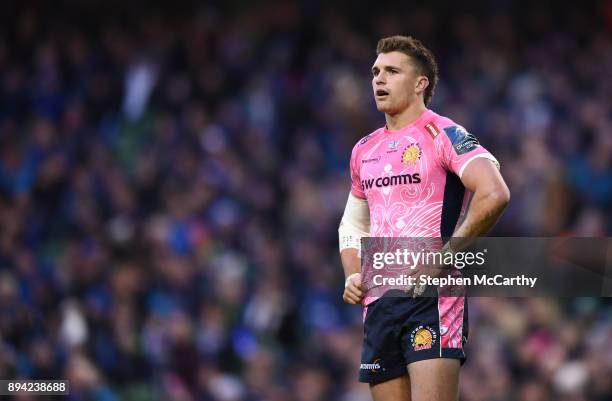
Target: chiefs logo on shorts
column 423, row 337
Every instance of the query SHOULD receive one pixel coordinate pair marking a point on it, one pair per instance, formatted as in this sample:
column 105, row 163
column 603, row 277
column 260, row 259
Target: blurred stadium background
column 173, row 174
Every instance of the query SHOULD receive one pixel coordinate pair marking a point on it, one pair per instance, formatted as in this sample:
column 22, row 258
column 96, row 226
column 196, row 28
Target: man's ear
column 422, row 83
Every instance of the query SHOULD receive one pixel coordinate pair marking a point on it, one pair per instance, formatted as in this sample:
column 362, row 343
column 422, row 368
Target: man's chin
column 384, row 108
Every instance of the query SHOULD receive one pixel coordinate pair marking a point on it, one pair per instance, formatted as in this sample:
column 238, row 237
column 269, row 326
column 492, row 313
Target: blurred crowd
column 172, row 177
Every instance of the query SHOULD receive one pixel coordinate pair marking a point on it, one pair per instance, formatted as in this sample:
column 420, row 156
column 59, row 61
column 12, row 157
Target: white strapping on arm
column 355, row 223
column 485, row 155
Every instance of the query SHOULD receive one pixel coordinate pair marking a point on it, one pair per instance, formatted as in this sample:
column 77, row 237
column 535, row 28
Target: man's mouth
column 381, row 93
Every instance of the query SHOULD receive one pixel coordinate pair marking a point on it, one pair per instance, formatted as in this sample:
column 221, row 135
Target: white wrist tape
column 355, row 223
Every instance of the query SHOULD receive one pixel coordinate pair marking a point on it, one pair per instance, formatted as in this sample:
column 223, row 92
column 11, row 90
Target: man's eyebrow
column 386, row 67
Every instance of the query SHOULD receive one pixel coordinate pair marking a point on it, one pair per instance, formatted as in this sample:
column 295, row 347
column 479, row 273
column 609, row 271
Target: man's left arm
column 491, row 196
column 461, row 153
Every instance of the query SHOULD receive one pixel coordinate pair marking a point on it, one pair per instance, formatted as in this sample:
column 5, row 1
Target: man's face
column 395, row 82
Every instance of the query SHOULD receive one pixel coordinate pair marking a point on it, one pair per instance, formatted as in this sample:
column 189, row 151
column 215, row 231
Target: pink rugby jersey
column 411, row 180
column 411, row 177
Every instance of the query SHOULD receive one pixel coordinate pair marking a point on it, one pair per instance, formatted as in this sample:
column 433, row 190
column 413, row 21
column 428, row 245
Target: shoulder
column 366, row 141
column 454, row 134
column 436, row 124
column 443, row 125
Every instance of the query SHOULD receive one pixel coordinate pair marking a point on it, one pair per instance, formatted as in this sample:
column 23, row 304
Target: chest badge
column 412, row 154
column 393, row 144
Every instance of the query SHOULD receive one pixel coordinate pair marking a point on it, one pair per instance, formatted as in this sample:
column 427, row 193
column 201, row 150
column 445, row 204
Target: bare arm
column 351, row 263
column 355, row 224
column 491, row 196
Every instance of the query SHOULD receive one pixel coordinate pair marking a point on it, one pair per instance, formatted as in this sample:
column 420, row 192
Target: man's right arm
column 355, row 224
column 351, row 262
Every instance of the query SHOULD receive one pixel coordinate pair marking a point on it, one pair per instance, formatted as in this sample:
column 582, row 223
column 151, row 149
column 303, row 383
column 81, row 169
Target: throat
column 404, row 118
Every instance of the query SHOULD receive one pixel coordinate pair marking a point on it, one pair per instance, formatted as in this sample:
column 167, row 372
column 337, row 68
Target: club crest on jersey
column 393, row 144
column 423, row 337
column 411, row 154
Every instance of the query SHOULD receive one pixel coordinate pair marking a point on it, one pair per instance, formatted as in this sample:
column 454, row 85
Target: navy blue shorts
column 401, row 330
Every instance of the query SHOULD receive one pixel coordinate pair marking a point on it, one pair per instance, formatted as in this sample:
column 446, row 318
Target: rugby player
column 414, row 178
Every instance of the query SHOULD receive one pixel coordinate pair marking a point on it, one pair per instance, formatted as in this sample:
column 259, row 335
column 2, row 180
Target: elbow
column 500, row 196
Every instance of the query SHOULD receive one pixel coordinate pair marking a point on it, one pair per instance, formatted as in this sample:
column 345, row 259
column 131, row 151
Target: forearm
column 355, row 225
column 351, row 262
column 485, row 210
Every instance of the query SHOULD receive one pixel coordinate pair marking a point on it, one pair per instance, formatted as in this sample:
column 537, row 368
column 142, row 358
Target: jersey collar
column 427, row 113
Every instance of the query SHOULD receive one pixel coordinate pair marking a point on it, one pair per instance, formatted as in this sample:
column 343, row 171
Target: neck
column 405, row 117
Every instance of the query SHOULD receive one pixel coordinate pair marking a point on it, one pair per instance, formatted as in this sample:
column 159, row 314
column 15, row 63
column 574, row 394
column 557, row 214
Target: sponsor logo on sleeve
column 365, row 139
column 462, row 141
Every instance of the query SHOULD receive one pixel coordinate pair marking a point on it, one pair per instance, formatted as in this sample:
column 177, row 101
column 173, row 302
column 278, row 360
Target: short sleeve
column 459, row 148
column 355, row 166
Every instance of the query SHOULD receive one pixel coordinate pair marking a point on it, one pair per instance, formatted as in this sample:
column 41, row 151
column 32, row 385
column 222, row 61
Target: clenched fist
column 353, row 293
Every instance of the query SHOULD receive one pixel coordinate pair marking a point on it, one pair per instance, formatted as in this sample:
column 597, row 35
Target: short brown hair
column 420, row 55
